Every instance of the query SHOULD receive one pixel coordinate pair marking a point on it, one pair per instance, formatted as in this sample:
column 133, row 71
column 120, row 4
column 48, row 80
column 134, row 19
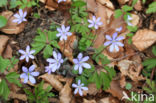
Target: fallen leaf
column 4, row 39
column 14, row 95
column 55, row 83
column 108, row 3
column 121, row 2
column 91, row 6
column 135, row 19
column 92, row 90
column 8, row 52
column 109, row 99
column 138, row 5
column 88, row 101
column 144, row 38
column 66, row 93
column 67, row 47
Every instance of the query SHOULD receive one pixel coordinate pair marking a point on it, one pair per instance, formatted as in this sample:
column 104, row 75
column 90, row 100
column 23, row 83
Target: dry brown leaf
column 67, row 47
column 121, row 2
column 91, row 6
column 138, row 5
column 135, row 19
column 14, row 95
column 55, row 83
column 11, row 27
column 144, row 39
column 109, row 99
column 108, row 3
column 66, row 94
column 3, row 39
column 8, row 52
column 92, row 90
column 88, row 101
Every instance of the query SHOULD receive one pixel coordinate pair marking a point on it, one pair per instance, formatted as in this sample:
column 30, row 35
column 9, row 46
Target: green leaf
column 79, row 3
column 151, row 8
column 154, row 50
column 150, row 63
column 134, row 2
column 52, row 35
column 47, row 51
column 132, row 28
column 4, row 90
column 118, row 13
column 13, row 4
column 3, row 21
column 126, row 8
column 36, row 15
column 128, row 86
column 3, row 3
column 13, row 78
column 3, row 64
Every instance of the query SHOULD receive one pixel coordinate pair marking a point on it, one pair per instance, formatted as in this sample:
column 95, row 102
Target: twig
column 152, row 74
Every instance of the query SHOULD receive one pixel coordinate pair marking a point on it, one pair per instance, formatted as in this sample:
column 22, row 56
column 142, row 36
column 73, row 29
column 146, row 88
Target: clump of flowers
column 27, row 54
column 20, row 17
column 114, row 41
column 29, row 74
column 79, row 87
column 54, row 64
column 80, row 63
column 61, row 1
column 63, row 32
column 95, row 22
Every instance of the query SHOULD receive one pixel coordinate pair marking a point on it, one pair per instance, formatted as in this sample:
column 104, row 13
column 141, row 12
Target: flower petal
column 31, row 56
column 74, row 86
column 28, row 49
column 21, row 12
column 32, row 79
column 67, row 28
column 25, row 79
column 76, row 67
column 108, row 37
column 23, row 75
column 80, row 56
column 80, row 70
column 116, row 48
column 34, row 73
column 91, row 25
column 75, row 61
column 63, row 28
column 84, row 88
column 25, row 69
column 79, row 82
column 107, row 43
column 22, row 57
column 119, row 38
column 15, row 20
column 80, row 92
column 50, row 60
column 111, row 48
column 119, row 44
column 115, row 35
column 27, row 58
column 31, row 68
column 32, row 52
column 85, row 59
column 76, row 90
column 22, row 51
column 86, row 65
column 55, row 55
column 17, row 16
column 25, row 14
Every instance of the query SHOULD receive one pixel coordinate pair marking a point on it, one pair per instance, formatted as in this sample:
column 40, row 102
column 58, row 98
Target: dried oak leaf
column 121, row 2
column 92, row 90
column 108, row 3
column 135, row 19
column 66, row 94
column 144, row 39
column 51, row 79
column 14, row 95
column 88, row 101
column 67, row 47
column 11, row 27
column 91, row 6
column 4, row 39
column 8, row 52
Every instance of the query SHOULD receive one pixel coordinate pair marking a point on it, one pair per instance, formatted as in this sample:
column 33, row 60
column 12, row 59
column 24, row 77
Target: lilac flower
column 129, row 18
column 114, row 41
column 80, row 63
column 20, row 17
column 27, row 54
column 119, row 29
column 63, row 32
column 79, row 87
column 54, row 64
column 29, row 74
column 95, row 22
column 61, row 1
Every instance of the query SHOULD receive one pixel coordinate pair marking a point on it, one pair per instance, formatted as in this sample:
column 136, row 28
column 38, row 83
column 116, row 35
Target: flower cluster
column 54, row 64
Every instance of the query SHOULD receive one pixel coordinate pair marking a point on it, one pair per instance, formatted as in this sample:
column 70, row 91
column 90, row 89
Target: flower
column 61, row 1
column 95, row 22
column 119, row 29
column 28, row 54
column 129, row 18
column 54, row 64
column 80, row 62
column 29, row 74
column 63, row 32
column 79, row 87
column 114, row 41
column 20, row 17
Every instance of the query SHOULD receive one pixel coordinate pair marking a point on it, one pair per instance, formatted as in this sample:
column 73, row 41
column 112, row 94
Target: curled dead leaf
column 121, row 2
column 67, row 47
column 144, row 39
column 14, row 95
column 55, row 83
column 4, row 39
column 8, row 52
column 108, row 3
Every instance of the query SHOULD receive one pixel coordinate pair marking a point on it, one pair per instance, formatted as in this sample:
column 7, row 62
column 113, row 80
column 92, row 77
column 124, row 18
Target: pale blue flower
column 79, row 87
column 80, row 63
column 27, row 54
column 63, row 32
column 61, row 1
column 54, row 64
column 114, row 41
column 95, row 22
column 119, row 29
column 29, row 74
column 20, row 17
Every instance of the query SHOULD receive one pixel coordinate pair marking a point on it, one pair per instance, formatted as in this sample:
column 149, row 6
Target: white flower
column 95, row 22
column 54, row 64
column 63, row 32
column 80, row 63
column 27, row 54
column 79, row 87
column 114, row 41
column 20, row 17
column 61, row 1
column 119, row 29
column 129, row 18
